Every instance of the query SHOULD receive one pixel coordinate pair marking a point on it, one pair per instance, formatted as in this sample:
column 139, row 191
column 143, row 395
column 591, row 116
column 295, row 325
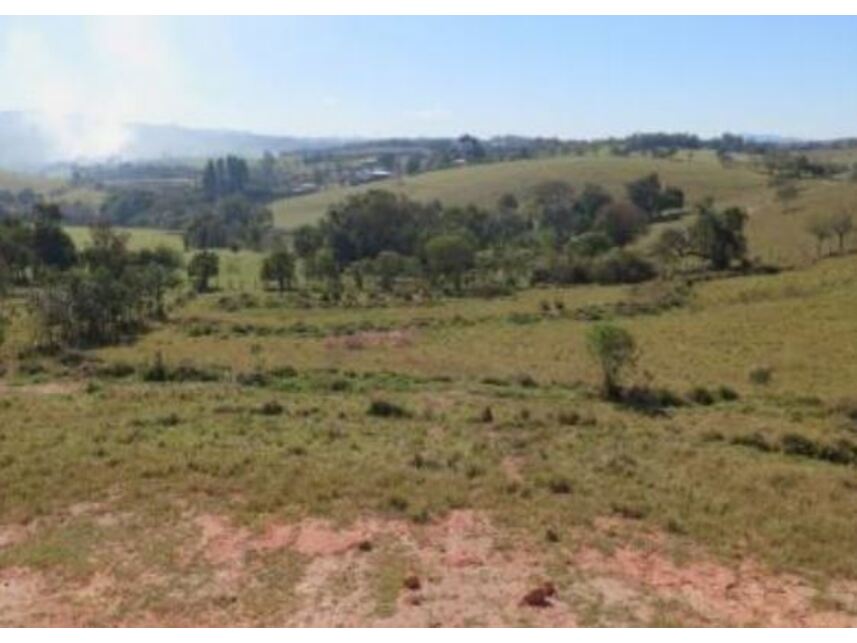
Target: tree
column 209, row 181
column 841, row 224
column 202, row 268
column 389, row 265
column 645, row 192
column 672, row 245
column 450, row 256
column 621, row 222
column 554, row 207
column 307, row 241
column 819, row 227
column 718, row 236
column 52, row 246
column 279, row 266
column 589, row 244
column 614, row 349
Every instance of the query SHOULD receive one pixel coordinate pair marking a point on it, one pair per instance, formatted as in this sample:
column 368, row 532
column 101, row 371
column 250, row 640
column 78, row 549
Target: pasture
column 270, row 459
column 261, row 444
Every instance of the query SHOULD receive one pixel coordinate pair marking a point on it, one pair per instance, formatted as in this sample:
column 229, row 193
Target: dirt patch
column 714, row 593
column 315, row 572
column 13, row 535
column 372, row 339
column 29, row 598
column 466, row 577
column 48, row 388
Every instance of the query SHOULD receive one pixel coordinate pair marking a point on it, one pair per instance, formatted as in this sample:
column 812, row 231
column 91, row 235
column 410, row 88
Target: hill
column 776, row 230
column 28, row 140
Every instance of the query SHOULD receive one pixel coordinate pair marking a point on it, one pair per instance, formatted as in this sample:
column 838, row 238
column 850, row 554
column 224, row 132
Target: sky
column 572, row 77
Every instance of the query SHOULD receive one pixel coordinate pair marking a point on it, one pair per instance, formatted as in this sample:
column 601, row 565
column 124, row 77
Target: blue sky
column 366, row 76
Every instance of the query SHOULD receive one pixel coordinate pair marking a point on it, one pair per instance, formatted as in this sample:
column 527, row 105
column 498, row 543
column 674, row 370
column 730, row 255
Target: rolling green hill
column 484, row 184
column 776, row 230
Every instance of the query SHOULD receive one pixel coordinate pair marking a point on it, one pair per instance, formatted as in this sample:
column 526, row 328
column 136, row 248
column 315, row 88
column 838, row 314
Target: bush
column 727, row 394
column 621, row 267
column 383, row 408
column 796, row 444
column 115, row 369
column 526, row 380
column 614, row 349
column 271, row 408
column 754, row 441
column 701, row 395
column 761, row 375
column 156, row 371
column 650, row 400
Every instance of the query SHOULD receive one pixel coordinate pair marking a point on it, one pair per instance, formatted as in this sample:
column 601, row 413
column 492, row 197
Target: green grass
column 484, row 184
column 239, row 271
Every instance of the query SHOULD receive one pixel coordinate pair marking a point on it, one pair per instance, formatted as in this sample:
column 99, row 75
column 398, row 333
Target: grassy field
column 239, row 270
column 484, row 184
column 267, row 427
column 261, row 459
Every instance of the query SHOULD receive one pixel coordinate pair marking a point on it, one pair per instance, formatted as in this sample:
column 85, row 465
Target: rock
column 539, row 596
column 412, row 583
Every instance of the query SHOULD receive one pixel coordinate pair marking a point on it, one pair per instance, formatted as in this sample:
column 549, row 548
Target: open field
column 239, row 270
column 255, row 486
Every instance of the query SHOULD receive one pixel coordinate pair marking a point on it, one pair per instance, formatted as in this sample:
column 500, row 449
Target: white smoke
column 127, row 72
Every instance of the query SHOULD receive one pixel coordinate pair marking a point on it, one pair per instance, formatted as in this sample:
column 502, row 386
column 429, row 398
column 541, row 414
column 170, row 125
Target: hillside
column 776, row 230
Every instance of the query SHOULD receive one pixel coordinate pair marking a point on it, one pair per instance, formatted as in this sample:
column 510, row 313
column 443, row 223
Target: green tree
column 450, row 256
column 718, row 236
column 614, row 349
column 841, row 224
column 645, row 192
column 819, row 227
column 279, row 266
column 202, row 268
column 621, row 222
column 389, row 265
column 52, row 246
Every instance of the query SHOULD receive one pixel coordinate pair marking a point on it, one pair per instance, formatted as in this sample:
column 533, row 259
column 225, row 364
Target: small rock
column 365, row 545
column 412, row 583
column 415, row 599
column 539, row 596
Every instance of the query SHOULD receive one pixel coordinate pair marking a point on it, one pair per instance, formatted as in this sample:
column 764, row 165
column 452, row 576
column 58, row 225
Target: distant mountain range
column 31, row 140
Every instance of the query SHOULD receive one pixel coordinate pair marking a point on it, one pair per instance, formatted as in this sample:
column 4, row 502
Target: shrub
column 621, row 267
column 526, row 380
column 650, row 400
column 761, row 375
column 701, row 395
column 487, row 414
column 156, row 371
column 796, row 444
column 559, row 485
column 569, row 418
column 753, row 440
column 115, row 369
column 727, row 394
column 383, row 408
column 253, row 378
column 271, row 408
column 614, row 349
